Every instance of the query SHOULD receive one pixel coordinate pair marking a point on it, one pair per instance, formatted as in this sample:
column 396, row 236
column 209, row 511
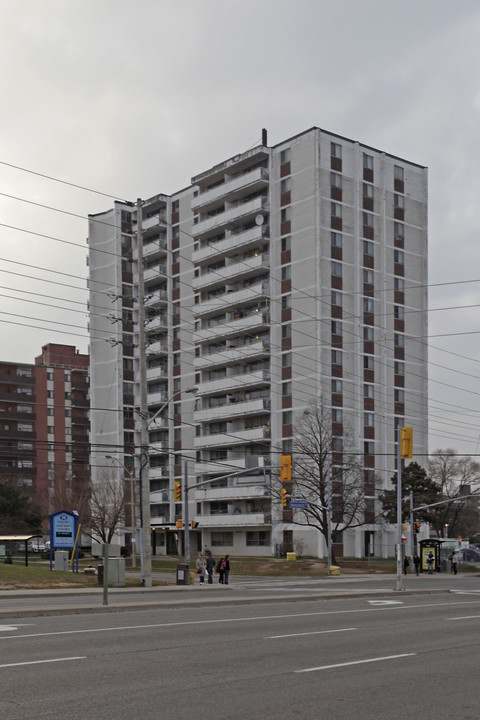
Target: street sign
column 298, row 504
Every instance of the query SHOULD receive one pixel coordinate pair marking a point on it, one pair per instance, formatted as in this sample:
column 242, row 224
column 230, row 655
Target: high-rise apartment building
column 282, row 277
column 44, row 426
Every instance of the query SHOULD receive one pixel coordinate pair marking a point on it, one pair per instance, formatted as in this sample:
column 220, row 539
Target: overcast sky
column 134, row 98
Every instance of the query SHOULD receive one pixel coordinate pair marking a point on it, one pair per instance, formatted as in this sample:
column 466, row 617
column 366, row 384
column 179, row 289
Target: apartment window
column 286, row 243
column 336, row 150
column 398, row 312
column 399, row 368
column 399, row 201
column 287, row 417
column 367, row 219
column 336, row 357
column 221, row 539
column 286, row 272
column 337, row 386
column 285, row 214
column 336, row 180
column 336, row 209
column 258, row 538
column 337, row 444
column 49, row 393
column 398, row 173
column 368, row 419
column 50, row 430
column 368, row 191
column 286, row 359
column 399, row 284
column 337, row 415
column 368, row 392
column 286, row 331
column 337, row 269
column 286, row 389
column 368, row 305
column 368, row 362
column 26, row 427
column 336, row 327
column 399, row 257
column 286, row 302
column 49, row 375
column 368, row 448
column 285, row 185
column 285, row 156
column 368, row 248
column 336, row 298
column 367, row 161
column 25, row 445
column 399, row 396
column 368, row 277
column 368, row 333
column 399, row 340
column 336, row 239
column 398, row 229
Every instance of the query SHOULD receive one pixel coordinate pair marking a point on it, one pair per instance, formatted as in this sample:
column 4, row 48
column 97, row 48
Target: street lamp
column 132, row 504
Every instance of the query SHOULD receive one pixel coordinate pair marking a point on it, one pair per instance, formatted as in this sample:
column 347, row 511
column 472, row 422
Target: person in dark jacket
column 406, row 564
column 226, row 570
column 210, row 562
column 416, row 562
column 219, row 569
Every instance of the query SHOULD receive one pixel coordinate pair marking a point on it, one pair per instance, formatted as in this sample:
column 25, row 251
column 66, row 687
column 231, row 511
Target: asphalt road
column 353, row 657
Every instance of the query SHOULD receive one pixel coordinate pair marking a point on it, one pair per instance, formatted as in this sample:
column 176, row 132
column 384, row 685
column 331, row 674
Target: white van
column 36, row 544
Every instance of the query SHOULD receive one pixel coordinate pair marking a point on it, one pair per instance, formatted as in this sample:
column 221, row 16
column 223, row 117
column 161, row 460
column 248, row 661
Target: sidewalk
column 21, row 603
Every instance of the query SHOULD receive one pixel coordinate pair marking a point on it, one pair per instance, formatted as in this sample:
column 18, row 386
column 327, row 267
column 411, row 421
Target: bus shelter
column 15, row 546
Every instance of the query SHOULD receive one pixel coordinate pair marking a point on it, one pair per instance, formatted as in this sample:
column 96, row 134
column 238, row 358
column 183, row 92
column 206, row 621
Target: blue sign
column 63, row 530
column 298, row 504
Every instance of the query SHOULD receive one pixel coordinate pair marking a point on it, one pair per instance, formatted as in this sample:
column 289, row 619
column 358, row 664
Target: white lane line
column 220, row 621
column 40, row 662
column 355, row 662
column 313, row 632
column 465, row 617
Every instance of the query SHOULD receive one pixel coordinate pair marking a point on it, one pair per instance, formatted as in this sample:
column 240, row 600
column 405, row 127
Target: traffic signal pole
column 399, row 511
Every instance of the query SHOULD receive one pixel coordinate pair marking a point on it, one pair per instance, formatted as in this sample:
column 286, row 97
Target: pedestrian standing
column 226, row 569
column 210, row 564
column 219, row 570
column 453, row 563
column 406, row 564
column 201, row 566
column 416, row 562
column 430, row 560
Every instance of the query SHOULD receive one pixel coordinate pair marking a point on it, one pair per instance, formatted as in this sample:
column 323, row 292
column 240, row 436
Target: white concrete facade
column 274, row 273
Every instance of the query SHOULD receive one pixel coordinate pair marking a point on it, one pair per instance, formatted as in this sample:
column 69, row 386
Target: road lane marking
column 219, row 621
column 8, row 628
column 386, row 602
column 356, row 662
column 40, row 662
column 313, row 632
column 465, row 617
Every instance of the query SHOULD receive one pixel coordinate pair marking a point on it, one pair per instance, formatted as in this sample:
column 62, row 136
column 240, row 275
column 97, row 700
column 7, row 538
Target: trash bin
column 334, row 570
column 291, row 556
column 182, row 577
column 100, row 575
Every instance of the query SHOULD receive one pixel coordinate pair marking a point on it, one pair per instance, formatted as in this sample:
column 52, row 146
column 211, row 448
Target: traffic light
column 284, row 497
column 179, row 524
column 406, row 442
column 286, row 468
column 194, row 524
column 177, row 493
column 416, row 528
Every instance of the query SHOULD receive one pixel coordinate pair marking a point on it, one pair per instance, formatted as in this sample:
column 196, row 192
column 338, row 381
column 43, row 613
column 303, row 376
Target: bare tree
column 103, row 514
column 317, row 452
column 455, row 475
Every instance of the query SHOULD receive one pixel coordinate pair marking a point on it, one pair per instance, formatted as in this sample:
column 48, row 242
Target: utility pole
column 186, row 520
column 146, row 548
column 399, row 511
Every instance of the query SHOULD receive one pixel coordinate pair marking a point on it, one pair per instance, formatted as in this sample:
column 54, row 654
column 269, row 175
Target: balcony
column 157, row 473
column 232, row 410
column 157, row 298
column 158, row 322
column 229, row 521
column 154, row 249
column 232, row 356
column 234, row 438
column 234, row 298
column 157, row 348
column 219, row 468
column 232, row 244
column 156, row 397
column 153, row 273
column 159, row 371
column 237, row 326
column 232, row 215
column 234, row 493
column 236, row 271
column 159, row 218
column 252, row 180
column 234, row 382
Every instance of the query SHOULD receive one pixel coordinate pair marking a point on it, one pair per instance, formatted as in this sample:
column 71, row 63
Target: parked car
column 36, row 544
column 470, row 555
